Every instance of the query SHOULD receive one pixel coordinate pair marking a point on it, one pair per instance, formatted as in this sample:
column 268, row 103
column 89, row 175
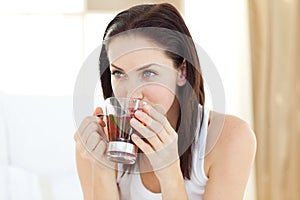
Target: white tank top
column 132, row 188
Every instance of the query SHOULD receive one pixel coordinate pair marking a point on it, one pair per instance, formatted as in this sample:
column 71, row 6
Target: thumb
column 98, row 111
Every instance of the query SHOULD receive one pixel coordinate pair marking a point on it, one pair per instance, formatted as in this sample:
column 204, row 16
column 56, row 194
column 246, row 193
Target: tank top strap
column 200, row 146
column 201, row 133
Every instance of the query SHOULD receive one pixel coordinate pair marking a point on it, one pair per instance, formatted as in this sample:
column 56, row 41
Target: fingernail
column 147, row 107
column 138, row 113
column 134, row 136
column 133, row 121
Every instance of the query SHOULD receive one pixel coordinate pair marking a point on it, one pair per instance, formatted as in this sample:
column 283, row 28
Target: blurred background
column 254, row 45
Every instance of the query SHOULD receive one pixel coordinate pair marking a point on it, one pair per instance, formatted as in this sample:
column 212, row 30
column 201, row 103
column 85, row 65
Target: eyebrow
column 139, row 69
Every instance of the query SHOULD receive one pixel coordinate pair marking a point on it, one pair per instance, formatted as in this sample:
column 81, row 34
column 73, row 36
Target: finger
column 85, row 122
column 149, row 135
column 100, row 149
column 146, row 148
column 150, row 123
column 159, row 108
column 157, row 116
column 92, row 141
column 81, row 148
column 92, row 127
column 99, row 111
column 154, row 113
column 164, row 136
column 143, row 117
column 79, row 143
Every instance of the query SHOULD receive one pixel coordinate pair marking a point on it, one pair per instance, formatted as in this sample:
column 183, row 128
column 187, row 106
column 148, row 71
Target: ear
column 181, row 75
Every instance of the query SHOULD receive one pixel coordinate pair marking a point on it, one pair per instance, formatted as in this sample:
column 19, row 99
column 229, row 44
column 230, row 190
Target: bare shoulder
column 232, row 147
column 237, row 133
column 230, row 140
column 229, row 131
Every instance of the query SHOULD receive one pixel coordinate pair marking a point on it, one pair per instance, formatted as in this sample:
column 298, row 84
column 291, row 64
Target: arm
column 173, row 186
column 96, row 181
column 231, row 161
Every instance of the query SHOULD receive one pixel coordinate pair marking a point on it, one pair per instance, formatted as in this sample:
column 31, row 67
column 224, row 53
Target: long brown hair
column 176, row 39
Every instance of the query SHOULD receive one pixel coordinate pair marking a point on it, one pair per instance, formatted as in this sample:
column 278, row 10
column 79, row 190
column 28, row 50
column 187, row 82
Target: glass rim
column 125, row 99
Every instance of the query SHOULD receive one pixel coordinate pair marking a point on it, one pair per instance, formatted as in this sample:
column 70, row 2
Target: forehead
column 124, row 44
column 134, row 49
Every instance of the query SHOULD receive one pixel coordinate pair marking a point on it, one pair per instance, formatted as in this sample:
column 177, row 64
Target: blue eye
column 117, row 74
column 148, row 74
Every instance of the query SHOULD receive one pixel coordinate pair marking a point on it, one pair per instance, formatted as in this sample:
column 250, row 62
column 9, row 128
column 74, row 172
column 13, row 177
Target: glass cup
column 119, row 111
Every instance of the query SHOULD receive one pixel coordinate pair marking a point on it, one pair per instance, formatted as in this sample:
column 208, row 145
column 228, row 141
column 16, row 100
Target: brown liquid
column 119, row 128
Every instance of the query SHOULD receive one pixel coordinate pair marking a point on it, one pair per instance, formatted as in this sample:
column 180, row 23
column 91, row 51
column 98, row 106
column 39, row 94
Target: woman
column 187, row 152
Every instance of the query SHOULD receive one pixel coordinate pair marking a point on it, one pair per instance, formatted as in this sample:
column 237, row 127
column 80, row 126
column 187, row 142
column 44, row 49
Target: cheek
column 118, row 89
column 159, row 95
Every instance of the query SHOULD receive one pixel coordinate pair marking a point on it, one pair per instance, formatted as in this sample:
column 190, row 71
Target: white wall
column 44, row 43
column 221, row 29
column 41, row 52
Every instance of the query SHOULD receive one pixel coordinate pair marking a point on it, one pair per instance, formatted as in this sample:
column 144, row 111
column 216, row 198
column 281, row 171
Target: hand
column 91, row 140
column 160, row 144
column 90, row 154
column 97, row 174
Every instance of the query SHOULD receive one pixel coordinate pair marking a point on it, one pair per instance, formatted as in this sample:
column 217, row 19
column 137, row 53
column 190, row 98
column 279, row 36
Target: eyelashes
column 144, row 75
column 118, row 74
column 148, row 74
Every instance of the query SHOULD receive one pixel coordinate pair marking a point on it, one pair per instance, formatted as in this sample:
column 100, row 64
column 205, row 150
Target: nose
column 135, row 91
